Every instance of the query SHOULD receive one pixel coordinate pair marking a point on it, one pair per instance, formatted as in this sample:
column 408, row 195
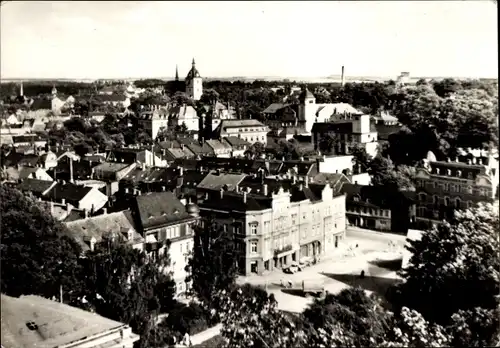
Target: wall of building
column 336, row 164
column 95, row 199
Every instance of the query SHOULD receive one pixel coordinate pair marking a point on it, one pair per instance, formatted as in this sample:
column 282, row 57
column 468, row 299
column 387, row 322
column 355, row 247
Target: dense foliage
column 457, row 265
column 212, row 265
column 37, row 256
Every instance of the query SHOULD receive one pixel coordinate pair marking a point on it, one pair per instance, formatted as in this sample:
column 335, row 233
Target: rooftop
column 33, row 321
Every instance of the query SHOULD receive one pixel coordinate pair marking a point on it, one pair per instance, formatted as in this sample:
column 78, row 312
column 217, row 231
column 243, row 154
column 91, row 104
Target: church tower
column 307, row 109
column 21, row 90
column 176, row 74
column 194, row 84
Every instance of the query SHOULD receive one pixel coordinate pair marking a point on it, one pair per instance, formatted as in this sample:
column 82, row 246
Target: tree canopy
column 37, row 255
column 454, row 275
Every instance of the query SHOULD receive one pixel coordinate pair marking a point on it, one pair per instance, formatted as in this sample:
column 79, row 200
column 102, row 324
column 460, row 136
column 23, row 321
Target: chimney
column 163, row 188
column 86, row 211
column 63, row 200
column 294, row 179
column 311, row 179
column 236, row 189
column 342, row 79
column 456, row 159
column 306, row 182
column 51, row 207
column 68, row 208
column 244, row 197
column 201, row 169
column 301, row 158
column 104, row 211
column 301, row 186
column 448, row 160
column 71, row 169
column 181, row 171
column 138, row 192
column 221, row 193
column 264, row 189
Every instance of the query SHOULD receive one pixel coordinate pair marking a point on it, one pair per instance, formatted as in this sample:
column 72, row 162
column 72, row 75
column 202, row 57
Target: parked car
column 306, row 261
column 293, row 268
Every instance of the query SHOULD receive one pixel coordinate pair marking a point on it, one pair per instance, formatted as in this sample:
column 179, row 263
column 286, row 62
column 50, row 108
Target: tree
column 250, row 318
column 327, row 144
column 459, row 286
column 212, row 265
column 361, row 158
column 36, row 253
column 384, row 173
column 123, row 284
column 210, row 96
column 350, row 318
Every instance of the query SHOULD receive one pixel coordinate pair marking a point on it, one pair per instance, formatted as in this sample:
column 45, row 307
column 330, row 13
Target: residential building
column 143, row 157
column 112, row 171
column 238, row 146
column 220, row 148
column 184, row 115
column 117, row 226
column 347, row 132
column 216, row 180
column 36, row 187
column 154, row 120
column 276, row 223
column 167, row 225
column 194, row 83
column 33, row 321
column 252, row 131
column 377, row 208
column 85, row 198
column 444, row 186
column 174, row 153
column 281, row 115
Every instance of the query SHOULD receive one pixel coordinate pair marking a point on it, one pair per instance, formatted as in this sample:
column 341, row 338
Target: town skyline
column 415, row 39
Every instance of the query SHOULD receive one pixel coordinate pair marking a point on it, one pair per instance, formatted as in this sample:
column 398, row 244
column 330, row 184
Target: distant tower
column 342, row 81
column 176, row 73
column 307, row 109
column 21, row 90
column 194, row 83
column 54, row 91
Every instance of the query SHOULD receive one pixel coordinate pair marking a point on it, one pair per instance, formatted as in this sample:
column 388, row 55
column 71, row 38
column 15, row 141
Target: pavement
column 340, row 269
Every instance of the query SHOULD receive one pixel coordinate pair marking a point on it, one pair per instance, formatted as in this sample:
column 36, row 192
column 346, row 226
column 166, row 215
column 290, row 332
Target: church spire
column 21, row 90
column 193, row 63
column 176, row 73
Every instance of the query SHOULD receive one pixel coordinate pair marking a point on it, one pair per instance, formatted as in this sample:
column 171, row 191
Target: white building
column 194, row 83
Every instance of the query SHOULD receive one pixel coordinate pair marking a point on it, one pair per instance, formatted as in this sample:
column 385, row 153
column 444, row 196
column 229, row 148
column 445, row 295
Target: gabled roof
column 375, row 196
column 160, row 209
column 216, row 181
column 240, row 123
column 235, row 141
column 70, row 192
column 218, row 145
column 101, row 226
column 57, row 324
column 271, row 109
column 111, row 167
column 301, row 168
column 37, row 187
column 128, row 156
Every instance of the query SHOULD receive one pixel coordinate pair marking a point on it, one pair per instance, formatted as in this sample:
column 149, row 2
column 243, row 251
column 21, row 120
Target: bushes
column 192, row 319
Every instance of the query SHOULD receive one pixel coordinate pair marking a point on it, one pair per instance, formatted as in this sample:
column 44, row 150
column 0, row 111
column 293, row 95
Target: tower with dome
column 194, row 83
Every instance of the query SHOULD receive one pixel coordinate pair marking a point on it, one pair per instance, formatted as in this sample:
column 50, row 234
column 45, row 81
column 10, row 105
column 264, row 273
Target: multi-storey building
column 444, row 186
column 194, row 83
column 252, row 131
column 167, row 225
column 276, row 223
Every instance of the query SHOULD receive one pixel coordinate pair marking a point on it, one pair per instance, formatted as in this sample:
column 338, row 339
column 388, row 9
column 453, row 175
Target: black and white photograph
column 249, row 174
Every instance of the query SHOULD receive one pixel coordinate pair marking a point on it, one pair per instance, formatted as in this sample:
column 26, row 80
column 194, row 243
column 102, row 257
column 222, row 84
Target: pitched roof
column 101, row 226
column 271, row 109
column 111, row 167
column 235, row 141
column 218, row 145
column 37, row 187
column 129, row 156
column 216, row 181
column 57, row 324
column 70, row 192
column 240, row 123
column 160, row 209
column 232, row 201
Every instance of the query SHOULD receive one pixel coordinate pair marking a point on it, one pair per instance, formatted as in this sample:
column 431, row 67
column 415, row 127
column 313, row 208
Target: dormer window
column 459, row 173
column 437, row 171
column 449, row 172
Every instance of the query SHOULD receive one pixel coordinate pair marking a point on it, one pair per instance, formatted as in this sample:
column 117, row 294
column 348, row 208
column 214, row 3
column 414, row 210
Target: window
column 435, row 184
column 457, row 203
column 386, row 212
column 447, row 201
column 446, row 187
column 422, row 197
column 253, row 247
column 470, row 176
column 435, row 200
column 469, row 189
column 253, row 229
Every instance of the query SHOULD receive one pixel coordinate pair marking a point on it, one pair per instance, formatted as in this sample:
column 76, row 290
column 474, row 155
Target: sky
column 139, row 39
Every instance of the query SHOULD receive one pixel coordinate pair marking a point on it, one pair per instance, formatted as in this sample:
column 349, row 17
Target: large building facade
column 444, row 186
column 277, row 224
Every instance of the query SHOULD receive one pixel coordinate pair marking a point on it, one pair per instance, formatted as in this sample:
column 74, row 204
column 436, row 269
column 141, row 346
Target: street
column 378, row 254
